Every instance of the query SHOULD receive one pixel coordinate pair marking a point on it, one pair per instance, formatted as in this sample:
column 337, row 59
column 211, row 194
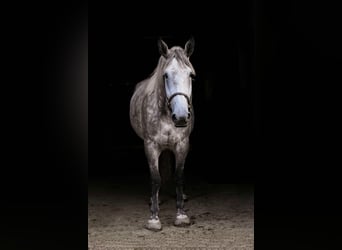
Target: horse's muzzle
column 180, row 122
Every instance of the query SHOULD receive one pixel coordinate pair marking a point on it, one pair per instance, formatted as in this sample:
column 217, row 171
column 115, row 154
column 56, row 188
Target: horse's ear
column 189, row 47
column 163, row 49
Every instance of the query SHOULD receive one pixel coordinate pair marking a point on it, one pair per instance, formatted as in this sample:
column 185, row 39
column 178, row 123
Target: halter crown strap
column 178, row 93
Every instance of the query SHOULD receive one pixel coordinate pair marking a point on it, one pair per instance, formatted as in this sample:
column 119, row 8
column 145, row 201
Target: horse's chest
column 168, row 135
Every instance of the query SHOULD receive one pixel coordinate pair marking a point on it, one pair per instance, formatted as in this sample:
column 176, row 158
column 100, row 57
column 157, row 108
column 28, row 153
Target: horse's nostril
column 189, row 115
column 173, row 117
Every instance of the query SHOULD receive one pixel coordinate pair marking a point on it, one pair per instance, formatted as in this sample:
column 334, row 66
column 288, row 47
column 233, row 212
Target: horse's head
column 178, row 74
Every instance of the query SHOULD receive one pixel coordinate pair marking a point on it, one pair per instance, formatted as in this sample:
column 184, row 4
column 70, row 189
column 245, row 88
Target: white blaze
column 178, row 81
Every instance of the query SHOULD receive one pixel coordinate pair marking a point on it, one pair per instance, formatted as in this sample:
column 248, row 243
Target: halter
column 179, row 93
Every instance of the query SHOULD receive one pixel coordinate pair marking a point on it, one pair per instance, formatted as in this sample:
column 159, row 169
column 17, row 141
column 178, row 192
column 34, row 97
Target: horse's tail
column 166, row 167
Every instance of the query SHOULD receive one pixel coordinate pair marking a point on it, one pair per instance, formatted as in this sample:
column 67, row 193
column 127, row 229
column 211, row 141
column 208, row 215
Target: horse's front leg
column 152, row 153
column 181, row 152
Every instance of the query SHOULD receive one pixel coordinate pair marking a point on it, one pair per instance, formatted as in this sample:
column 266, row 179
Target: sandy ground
column 222, row 217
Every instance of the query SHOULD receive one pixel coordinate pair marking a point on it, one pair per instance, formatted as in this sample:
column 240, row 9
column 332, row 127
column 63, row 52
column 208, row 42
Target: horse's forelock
column 174, row 52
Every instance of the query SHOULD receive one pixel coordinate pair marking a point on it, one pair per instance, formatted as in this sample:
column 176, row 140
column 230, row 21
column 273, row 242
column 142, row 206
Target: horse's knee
column 156, row 185
column 179, row 179
column 156, row 182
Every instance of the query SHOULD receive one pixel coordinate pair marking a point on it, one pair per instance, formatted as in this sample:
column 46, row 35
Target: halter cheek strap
column 179, row 93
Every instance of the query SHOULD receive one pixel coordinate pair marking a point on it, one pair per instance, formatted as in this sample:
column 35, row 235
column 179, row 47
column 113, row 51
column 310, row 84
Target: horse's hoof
column 182, row 220
column 153, row 225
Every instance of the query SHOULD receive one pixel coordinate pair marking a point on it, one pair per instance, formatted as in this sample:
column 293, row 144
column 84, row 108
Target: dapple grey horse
column 161, row 113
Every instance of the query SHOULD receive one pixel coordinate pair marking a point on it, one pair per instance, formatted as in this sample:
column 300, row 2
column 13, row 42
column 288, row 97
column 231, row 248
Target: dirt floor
column 222, row 217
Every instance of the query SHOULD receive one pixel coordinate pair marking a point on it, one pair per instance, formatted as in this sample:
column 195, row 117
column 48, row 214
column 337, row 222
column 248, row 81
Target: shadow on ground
column 222, row 216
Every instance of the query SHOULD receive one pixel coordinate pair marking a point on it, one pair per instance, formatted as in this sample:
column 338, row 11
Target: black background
column 266, row 99
column 226, row 95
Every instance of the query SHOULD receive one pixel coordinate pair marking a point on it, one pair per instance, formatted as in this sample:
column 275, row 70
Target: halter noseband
column 179, row 93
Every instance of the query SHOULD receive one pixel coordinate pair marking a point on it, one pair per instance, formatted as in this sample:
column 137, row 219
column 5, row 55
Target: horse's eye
column 165, row 76
column 192, row 76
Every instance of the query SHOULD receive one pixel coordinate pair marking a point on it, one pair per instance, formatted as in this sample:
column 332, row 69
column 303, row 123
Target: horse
column 161, row 113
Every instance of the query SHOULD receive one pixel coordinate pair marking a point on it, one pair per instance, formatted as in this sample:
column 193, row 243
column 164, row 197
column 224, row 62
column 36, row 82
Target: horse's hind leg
column 152, row 155
column 181, row 218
